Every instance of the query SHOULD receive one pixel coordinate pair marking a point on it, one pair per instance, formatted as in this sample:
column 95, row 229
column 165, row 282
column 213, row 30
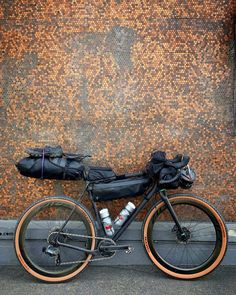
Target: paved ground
column 103, row 280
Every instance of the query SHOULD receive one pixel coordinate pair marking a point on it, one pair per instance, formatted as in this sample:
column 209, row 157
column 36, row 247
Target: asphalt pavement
column 104, row 280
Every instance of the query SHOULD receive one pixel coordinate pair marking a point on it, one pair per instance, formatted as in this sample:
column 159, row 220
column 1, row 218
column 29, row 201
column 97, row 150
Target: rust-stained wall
column 117, row 79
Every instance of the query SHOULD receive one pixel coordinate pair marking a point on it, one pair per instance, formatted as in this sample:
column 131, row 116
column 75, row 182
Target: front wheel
column 194, row 254
column 41, row 226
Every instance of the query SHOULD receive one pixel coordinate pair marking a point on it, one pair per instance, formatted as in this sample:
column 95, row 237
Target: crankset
column 105, row 248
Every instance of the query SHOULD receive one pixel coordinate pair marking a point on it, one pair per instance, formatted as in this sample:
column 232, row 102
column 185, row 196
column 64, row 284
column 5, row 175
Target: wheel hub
column 183, row 237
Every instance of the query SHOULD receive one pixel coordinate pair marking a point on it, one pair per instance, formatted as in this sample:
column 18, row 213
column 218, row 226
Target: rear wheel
column 194, row 254
column 36, row 234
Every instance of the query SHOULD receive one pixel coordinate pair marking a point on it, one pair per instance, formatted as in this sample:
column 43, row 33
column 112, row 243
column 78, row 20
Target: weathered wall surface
column 117, row 79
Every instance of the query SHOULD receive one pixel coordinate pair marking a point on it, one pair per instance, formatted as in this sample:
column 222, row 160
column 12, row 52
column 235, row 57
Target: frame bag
column 121, row 188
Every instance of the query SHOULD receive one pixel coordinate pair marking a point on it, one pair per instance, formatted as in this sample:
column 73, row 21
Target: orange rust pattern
column 117, row 79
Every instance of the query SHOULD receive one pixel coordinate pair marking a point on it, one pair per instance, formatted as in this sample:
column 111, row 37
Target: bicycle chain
column 90, row 237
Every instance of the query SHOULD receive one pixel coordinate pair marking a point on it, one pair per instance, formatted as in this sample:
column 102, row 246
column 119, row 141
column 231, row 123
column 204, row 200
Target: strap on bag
column 65, row 169
column 42, row 166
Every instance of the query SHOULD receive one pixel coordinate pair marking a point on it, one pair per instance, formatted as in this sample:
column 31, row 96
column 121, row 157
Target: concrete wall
column 132, row 237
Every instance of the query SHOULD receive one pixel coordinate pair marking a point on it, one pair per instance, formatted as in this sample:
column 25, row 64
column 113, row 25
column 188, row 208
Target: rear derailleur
column 53, row 252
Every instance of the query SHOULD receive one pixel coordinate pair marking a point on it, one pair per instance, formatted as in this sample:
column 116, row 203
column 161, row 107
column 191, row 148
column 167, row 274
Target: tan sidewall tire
column 178, row 275
column 21, row 259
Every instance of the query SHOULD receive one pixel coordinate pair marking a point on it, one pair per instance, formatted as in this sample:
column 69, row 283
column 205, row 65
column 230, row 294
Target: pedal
column 129, row 250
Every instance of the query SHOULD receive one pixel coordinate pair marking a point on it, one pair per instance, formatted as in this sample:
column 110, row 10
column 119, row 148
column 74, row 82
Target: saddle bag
column 121, row 188
column 51, row 163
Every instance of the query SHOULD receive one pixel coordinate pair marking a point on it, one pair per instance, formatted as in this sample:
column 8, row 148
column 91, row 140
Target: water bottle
column 106, row 221
column 122, row 217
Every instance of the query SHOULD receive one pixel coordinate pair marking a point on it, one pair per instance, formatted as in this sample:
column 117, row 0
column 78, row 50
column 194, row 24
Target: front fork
column 165, row 199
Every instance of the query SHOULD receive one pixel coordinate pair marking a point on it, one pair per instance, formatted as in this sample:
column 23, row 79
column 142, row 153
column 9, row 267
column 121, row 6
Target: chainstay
column 90, row 237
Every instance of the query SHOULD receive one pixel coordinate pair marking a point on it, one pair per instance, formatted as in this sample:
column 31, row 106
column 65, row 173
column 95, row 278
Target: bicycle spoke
column 182, row 255
column 49, row 219
column 180, row 252
column 201, row 228
column 170, row 251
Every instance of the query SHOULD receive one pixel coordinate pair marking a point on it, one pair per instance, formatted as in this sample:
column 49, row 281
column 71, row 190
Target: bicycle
column 183, row 234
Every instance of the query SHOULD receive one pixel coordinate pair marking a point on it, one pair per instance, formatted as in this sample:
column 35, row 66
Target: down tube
column 135, row 213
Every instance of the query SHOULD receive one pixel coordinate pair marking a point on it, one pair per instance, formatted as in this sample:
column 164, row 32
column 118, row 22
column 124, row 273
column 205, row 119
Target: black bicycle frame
column 146, row 198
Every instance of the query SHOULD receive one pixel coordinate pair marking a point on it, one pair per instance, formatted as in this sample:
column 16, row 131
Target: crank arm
column 114, row 248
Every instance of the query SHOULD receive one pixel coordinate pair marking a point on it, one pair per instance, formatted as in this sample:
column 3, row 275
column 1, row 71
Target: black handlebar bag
column 51, row 164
